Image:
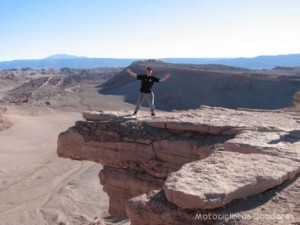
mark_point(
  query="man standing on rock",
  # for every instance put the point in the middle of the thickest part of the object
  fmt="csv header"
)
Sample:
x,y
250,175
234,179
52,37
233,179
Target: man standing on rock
x,y
147,81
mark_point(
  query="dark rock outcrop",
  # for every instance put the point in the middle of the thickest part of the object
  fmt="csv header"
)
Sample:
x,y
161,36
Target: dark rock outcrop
x,y
191,86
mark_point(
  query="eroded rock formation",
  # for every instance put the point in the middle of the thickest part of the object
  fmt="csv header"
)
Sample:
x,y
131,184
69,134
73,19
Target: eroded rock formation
x,y
36,86
168,169
213,85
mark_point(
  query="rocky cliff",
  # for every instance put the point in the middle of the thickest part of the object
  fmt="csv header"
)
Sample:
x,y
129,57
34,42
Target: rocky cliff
x,y
204,166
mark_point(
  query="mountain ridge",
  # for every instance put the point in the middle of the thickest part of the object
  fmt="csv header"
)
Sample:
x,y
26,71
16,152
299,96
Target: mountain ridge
x,y
214,85
63,56
80,62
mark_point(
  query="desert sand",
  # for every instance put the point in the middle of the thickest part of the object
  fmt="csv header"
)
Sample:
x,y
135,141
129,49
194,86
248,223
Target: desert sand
x,y
37,187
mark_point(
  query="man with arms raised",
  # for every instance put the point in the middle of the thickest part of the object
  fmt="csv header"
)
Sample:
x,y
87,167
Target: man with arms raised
x,y
147,81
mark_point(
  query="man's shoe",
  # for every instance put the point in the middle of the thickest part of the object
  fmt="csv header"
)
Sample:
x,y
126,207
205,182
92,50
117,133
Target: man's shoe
x,y
152,114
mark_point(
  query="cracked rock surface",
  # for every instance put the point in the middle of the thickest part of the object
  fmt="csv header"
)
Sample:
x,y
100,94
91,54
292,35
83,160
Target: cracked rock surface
x,y
197,160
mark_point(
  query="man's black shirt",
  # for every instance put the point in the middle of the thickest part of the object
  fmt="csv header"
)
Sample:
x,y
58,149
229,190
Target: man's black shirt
x,y
146,82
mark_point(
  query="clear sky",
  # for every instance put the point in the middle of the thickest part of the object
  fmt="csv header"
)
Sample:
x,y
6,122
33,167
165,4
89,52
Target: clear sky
x,y
33,29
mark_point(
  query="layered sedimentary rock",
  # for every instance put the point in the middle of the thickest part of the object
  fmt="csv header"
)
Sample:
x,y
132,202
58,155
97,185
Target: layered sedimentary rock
x,y
122,185
226,176
282,144
198,160
145,152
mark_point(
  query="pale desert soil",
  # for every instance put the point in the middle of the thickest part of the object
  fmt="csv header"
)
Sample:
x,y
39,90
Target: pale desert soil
x,y
36,186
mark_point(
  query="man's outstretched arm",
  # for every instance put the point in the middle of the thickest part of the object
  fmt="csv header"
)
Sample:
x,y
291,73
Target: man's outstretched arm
x,y
131,73
165,77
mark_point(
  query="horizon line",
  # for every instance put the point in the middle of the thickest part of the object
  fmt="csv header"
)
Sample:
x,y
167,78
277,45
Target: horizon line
x,y
142,58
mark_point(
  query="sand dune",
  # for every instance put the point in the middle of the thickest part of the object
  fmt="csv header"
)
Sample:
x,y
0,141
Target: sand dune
x,y
36,186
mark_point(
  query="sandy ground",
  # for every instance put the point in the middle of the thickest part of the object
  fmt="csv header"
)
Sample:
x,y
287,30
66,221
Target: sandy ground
x,y
36,186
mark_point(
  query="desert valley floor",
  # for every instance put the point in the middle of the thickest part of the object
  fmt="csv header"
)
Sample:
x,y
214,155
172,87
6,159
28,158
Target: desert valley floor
x,y
37,187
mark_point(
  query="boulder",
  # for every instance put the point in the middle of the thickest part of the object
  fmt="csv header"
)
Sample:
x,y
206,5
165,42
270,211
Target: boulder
x,y
225,176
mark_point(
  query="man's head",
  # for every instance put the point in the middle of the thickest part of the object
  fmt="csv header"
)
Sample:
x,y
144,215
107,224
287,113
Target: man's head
x,y
149,71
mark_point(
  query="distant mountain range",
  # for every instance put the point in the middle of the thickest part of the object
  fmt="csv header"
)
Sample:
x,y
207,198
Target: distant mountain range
x,y
62,60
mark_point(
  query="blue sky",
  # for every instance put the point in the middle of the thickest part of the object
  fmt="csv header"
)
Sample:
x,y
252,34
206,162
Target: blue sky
x,y
32,29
